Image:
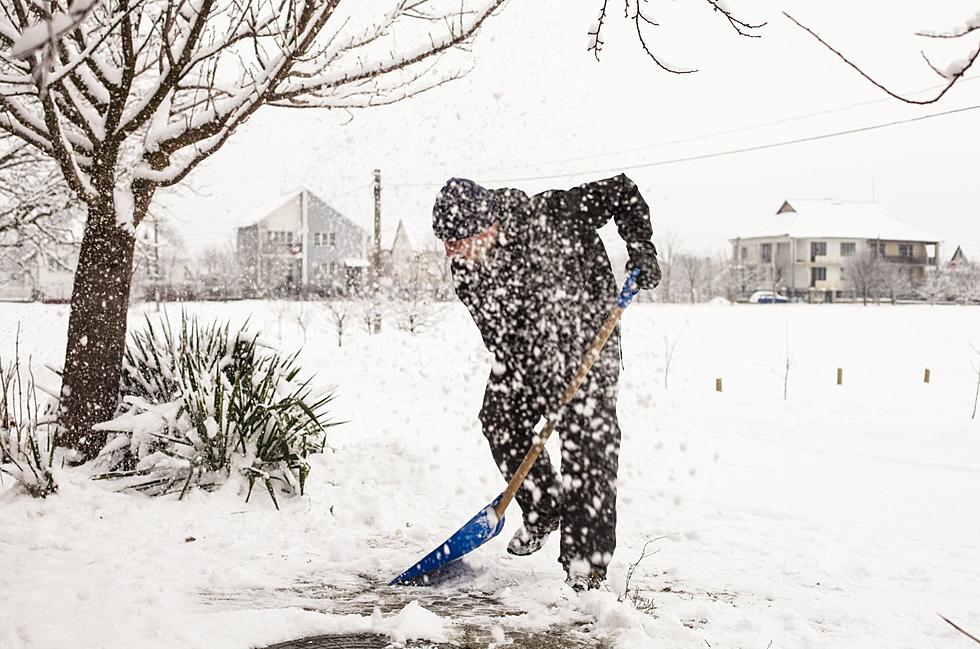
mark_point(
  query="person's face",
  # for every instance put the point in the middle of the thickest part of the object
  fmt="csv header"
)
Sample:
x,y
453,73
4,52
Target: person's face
x,y
475,248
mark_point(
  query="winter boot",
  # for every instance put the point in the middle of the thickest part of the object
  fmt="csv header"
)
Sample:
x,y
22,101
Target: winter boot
x,y
530,538
591,581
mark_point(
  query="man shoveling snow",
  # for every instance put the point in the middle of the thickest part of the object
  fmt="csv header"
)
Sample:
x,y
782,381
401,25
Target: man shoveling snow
x,y
535,276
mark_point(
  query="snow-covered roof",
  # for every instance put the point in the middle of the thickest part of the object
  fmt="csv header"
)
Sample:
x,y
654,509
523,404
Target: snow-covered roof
x,y
353,262
833,219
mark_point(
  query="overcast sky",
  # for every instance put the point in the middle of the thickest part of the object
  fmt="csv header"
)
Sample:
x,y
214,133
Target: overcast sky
x,y
538,104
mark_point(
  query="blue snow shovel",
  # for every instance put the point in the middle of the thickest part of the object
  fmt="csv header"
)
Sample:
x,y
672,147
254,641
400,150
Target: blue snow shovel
x,y
490,520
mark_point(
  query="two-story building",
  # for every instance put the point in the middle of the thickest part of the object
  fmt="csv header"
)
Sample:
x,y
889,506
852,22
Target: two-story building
x,y
304,244
804,248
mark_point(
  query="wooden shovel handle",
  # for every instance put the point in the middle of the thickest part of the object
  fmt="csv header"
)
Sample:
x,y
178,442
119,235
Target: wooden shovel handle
x,y
583,370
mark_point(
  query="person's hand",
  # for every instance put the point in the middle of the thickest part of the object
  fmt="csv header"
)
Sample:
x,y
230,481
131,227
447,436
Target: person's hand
x,y
643,255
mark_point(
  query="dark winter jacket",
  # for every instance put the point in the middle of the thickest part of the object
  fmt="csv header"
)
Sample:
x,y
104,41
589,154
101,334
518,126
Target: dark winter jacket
x,y
547,286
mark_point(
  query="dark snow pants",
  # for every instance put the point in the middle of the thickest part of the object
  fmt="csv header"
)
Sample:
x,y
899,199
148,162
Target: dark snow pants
x,y
583,498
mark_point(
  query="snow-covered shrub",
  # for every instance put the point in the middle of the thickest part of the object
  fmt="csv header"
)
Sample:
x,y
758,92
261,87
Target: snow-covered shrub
x,y
203,402
28,433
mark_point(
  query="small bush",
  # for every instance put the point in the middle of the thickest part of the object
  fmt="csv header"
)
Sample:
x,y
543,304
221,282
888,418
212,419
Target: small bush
x,y
202,402
28,433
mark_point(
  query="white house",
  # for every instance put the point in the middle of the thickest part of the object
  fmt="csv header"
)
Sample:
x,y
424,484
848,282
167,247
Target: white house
x,y
803,248
47,274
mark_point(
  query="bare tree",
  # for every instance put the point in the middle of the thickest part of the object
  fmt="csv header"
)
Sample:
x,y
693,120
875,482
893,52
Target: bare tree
x,y
157,257
693,270
951,74
636,12
964,283
339,312
303,316
668,249
416,308
895,281
219,274
935,286
862,271
130,97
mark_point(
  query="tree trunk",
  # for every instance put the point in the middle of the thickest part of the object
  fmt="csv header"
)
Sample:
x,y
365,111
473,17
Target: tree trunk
x,y
96,329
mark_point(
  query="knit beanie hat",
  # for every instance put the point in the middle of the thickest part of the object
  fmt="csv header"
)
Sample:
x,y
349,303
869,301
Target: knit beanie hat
x,y
462,209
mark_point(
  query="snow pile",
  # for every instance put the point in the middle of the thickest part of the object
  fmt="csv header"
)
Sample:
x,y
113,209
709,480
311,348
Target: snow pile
x,y
412,623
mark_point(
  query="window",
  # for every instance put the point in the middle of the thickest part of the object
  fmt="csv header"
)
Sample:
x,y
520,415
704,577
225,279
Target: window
x,y
818,249
333,239
817,274
333,268
766,252
905,250
847,249
878,249
745,252
278,236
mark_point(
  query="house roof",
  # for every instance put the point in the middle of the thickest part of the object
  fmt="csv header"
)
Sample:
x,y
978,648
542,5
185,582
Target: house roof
x,y
274,205
969,251
833,219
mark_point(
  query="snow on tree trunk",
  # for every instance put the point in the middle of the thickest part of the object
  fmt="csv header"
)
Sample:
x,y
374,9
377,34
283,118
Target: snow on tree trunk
x,y
96,329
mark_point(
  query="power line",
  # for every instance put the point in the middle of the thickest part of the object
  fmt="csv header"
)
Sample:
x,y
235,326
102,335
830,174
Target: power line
x,y
719,154
713,134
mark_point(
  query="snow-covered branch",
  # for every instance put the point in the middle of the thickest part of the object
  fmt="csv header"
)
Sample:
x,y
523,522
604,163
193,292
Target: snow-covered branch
x,y
643,22
951,74
36,208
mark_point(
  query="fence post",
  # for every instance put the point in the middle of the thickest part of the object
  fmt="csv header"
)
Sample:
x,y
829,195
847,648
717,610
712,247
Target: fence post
x,y
717,385
840,376
926,377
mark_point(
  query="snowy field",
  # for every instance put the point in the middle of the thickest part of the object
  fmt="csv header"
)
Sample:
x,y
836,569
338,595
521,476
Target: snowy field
x,y
843,516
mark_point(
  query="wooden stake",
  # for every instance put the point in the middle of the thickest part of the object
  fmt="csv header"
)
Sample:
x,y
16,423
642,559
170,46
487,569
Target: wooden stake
x,y
926,377
840,376
717,385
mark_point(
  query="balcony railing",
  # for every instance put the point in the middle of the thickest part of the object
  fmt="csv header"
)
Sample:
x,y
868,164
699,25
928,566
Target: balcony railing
x,y
911,261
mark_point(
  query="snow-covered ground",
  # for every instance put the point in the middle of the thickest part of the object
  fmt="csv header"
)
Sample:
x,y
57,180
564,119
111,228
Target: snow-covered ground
x,y
844,516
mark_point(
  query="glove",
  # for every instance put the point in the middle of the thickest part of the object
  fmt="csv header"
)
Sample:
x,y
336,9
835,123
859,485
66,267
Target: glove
x,y
643,254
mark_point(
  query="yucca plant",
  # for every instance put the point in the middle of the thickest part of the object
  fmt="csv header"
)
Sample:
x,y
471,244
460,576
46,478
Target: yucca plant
x,y
204,401
28,431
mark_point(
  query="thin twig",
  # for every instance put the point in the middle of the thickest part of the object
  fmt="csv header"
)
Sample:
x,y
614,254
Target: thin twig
x,y
952,77
955,626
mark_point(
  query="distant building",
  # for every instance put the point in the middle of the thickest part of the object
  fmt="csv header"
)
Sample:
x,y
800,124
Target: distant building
x,y
46,274
304,244
413,270
803,249
964,256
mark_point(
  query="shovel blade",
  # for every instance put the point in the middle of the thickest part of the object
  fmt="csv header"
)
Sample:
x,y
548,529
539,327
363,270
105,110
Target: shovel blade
x,y
480,529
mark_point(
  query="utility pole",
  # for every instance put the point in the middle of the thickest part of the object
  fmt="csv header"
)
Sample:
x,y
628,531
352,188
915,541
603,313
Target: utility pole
x,y
376,265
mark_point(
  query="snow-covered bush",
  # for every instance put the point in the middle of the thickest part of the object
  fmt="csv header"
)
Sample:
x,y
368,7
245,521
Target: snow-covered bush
x,y
28,433
203,402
